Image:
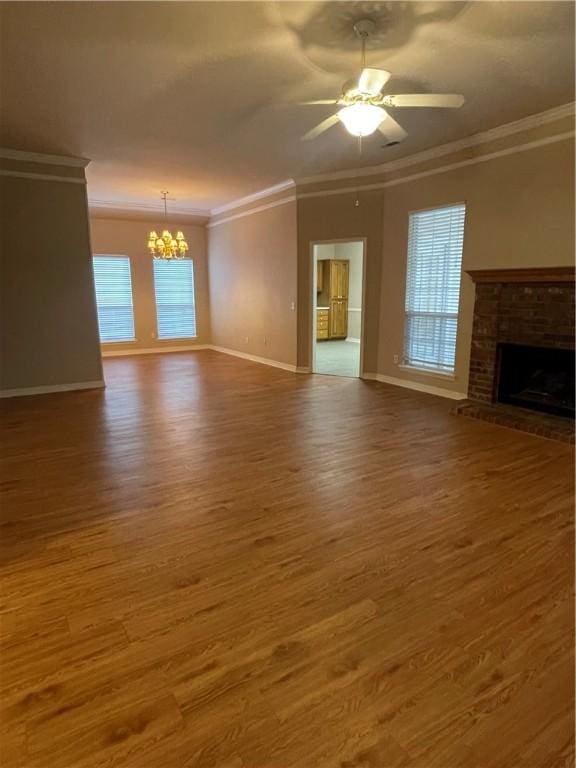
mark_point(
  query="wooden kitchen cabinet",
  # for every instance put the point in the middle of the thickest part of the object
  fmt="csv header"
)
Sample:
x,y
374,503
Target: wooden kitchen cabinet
x,y
338,279
319,276
332,280
338,318
322,324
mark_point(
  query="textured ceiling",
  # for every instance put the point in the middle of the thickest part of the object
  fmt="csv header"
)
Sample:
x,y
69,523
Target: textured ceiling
x,y
201,98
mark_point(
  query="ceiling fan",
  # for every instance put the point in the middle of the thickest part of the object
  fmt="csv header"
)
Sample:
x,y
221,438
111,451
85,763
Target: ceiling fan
x,y
362,103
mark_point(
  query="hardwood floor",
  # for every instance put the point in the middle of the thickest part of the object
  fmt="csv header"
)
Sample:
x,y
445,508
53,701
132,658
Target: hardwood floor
x,y
216,563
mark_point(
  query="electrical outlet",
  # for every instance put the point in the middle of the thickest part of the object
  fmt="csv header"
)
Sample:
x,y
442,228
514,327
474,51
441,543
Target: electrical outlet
x,y
245,339
292,306
396,359
266,341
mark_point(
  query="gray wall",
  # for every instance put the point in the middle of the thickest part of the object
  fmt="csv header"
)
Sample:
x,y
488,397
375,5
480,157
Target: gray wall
x,y
49,330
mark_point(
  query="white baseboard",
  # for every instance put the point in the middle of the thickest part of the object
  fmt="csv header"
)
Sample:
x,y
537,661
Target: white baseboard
x,y
415,385
253,358
353,339
303,369
151,350
25,391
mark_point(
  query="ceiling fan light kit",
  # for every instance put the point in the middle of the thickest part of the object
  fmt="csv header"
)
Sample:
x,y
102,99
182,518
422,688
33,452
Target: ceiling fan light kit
x,y
362,119
363,102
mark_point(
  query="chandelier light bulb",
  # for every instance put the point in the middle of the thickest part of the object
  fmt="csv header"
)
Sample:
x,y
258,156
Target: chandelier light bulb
x,y
362,119
166,246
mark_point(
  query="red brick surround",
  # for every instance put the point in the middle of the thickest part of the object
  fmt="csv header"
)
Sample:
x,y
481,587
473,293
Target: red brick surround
x,y
539,314
532,307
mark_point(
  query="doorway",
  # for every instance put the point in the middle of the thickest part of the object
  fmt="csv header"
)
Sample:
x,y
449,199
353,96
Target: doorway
x,y
337,307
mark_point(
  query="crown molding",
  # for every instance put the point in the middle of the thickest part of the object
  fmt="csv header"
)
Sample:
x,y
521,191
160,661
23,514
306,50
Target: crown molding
x,y
241,201
493,134
144,209
442,168
43,177
252,211
36,157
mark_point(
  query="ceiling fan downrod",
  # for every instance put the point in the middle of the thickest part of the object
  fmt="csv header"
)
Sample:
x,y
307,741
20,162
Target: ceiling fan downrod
x,y
364,28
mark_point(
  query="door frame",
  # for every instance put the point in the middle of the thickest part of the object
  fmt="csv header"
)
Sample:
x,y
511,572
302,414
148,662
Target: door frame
x,y
313,275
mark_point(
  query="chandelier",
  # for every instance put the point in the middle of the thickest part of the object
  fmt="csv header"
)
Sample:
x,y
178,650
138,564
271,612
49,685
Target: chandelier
x,y
166,246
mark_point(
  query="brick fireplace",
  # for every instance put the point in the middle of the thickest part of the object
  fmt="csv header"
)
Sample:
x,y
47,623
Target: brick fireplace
x,y
523,310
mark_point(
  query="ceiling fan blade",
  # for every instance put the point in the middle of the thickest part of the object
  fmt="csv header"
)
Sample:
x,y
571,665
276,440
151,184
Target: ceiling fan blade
x,y
313,103
321,127
453,100
392,130
372,81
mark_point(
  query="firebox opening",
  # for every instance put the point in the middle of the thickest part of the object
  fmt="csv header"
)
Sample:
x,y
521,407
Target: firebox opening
x,y
540,378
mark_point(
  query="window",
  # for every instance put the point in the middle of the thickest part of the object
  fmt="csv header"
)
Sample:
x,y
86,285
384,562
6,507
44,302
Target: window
x,y
435,239
174,288
114,298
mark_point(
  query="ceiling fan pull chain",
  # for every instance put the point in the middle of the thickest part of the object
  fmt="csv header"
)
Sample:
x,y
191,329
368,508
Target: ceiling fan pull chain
x,y
356,200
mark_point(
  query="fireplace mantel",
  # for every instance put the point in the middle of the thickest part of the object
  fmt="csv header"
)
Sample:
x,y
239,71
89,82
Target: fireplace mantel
x,y
523,275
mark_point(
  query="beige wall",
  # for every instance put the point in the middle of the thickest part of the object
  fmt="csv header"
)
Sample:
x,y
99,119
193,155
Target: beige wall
x,y
49,332
520,212
127,237
252,271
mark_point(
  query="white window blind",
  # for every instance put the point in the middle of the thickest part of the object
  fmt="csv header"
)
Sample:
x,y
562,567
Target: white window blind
x,y
114,298
175,309
435,240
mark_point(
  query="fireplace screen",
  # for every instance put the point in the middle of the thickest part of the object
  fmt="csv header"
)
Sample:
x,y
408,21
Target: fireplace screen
x,y
541,378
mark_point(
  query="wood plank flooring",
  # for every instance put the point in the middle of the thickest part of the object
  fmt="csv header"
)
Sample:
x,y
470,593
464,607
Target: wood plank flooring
x,y
218,564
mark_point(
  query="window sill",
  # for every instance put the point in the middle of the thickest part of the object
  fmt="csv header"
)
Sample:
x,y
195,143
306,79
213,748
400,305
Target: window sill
x,y
176,338
429,372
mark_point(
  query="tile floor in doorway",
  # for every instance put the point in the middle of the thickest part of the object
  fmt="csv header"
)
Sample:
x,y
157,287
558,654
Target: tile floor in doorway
x,y
339,358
